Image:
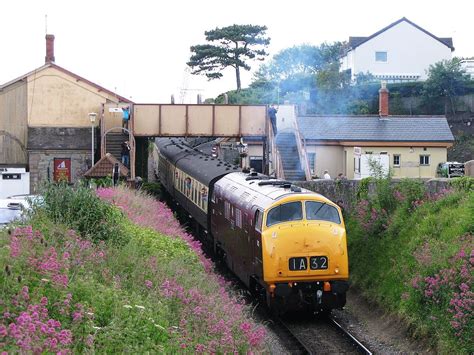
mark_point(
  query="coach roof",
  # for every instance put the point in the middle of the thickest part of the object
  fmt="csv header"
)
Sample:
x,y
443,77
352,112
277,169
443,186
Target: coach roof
x,y
192,161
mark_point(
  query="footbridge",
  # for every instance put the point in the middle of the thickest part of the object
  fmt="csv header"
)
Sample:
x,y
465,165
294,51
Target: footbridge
x,y
198,120
182,120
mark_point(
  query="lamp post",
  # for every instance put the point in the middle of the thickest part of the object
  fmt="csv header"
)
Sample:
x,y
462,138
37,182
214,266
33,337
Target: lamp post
x,y
92,117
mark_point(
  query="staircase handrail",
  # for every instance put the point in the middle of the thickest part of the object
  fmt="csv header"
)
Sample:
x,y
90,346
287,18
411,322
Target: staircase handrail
x,y
302,151
275,158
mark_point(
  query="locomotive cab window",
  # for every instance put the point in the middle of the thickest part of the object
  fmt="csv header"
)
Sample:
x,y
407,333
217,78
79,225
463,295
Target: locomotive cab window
x,y
258,220
321,212
286,212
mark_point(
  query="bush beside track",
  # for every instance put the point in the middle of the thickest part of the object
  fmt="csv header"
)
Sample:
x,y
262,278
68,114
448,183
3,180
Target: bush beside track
x,y
113,272
414,254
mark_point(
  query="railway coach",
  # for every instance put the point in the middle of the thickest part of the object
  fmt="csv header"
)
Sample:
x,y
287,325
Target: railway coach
x,y
285,243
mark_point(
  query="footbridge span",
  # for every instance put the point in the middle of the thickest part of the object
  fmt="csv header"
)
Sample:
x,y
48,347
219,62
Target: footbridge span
x,y
198,120
182,120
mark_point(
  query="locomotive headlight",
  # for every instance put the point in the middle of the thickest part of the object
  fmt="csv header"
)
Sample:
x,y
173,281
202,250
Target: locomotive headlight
x,y
336,270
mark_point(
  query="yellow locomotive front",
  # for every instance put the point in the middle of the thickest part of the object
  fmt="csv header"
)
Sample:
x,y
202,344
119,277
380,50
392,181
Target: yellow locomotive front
x,y
304,252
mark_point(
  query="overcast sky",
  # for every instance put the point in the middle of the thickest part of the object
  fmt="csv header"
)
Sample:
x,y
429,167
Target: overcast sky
x,y
140,48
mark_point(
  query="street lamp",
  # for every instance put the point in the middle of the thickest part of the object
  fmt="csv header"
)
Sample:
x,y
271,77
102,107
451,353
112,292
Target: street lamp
x,y
92,117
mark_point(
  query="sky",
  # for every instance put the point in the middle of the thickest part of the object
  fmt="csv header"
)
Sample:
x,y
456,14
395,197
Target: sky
x,y
139,48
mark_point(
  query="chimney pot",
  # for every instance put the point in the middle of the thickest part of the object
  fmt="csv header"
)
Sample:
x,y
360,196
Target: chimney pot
x,y
49,49
383,100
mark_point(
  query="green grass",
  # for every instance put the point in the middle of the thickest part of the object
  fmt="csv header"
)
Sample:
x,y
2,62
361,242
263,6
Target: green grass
x,y
420,243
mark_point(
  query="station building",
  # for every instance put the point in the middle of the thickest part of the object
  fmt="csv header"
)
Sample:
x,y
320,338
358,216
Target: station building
x,y
44,120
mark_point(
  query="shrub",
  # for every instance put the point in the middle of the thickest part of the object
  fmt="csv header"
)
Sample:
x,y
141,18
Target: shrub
x,y
81,210
63,293
465,183
153,188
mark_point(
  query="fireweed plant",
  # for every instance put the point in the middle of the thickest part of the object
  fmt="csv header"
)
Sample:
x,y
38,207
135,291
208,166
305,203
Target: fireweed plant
x,y
413,252
66,291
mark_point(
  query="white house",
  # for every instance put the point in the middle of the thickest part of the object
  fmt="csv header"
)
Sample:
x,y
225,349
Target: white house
x,y
468,66
402,51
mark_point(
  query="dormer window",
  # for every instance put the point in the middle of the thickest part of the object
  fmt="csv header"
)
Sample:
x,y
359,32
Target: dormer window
x,y
381,57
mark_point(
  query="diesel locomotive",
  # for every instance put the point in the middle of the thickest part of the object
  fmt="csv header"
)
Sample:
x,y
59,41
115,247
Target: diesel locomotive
x,y
285,243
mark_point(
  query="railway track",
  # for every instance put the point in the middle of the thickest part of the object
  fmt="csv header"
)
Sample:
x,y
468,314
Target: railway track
x,y
357,344
315,337
292,341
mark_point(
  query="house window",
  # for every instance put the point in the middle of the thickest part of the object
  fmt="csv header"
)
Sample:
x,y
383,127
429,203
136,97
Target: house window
x,y
424,160
380,56
396,160
357,165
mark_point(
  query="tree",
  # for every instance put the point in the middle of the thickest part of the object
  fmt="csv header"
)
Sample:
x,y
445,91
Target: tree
x,y
446,79
235,45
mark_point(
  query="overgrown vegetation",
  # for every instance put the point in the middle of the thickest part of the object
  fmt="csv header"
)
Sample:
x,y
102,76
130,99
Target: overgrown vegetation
x,y
412,251
86,291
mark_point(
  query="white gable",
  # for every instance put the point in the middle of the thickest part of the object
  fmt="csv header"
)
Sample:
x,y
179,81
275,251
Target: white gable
x,y
409,52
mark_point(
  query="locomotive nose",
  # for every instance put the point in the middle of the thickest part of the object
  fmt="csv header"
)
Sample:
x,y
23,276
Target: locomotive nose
x,y
305,249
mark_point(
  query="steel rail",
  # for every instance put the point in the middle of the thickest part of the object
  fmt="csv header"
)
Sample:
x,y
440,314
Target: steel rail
x,y
302,349
361,347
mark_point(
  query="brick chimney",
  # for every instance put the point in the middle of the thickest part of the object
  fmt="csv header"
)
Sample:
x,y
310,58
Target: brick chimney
x,y
49,49
383,100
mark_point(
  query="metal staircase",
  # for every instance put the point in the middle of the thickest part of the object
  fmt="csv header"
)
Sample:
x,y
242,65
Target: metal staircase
x,y
114,143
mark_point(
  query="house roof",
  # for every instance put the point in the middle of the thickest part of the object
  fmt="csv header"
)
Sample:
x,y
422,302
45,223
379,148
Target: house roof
x,y
105,166
354,42
77,77
374,129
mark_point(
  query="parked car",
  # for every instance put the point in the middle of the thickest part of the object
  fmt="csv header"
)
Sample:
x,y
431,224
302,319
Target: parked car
x,y
450,169
13,208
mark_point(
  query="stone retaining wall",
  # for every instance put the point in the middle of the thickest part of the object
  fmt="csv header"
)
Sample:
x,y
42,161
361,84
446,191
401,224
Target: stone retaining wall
x,y
345,191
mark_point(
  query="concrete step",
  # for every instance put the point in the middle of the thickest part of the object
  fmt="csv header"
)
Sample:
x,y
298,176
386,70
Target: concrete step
x,y
295,175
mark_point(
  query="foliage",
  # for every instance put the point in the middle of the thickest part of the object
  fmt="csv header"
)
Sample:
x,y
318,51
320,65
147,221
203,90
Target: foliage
x,y
153,188
446,79
81,210
233,49
102,182
300,61
62,293
421,261
465,183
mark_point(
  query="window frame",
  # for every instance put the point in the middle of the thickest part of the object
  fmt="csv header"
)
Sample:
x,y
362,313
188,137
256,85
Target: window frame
x,y
399,156
424,157
279,206
323,205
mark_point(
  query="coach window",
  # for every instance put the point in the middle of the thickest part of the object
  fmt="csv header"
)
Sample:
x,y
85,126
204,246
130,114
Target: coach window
x,y
291,211
227,210
321,212
238,218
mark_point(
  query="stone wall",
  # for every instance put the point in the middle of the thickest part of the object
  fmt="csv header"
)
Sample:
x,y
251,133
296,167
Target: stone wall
x,y
344,192
42,169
